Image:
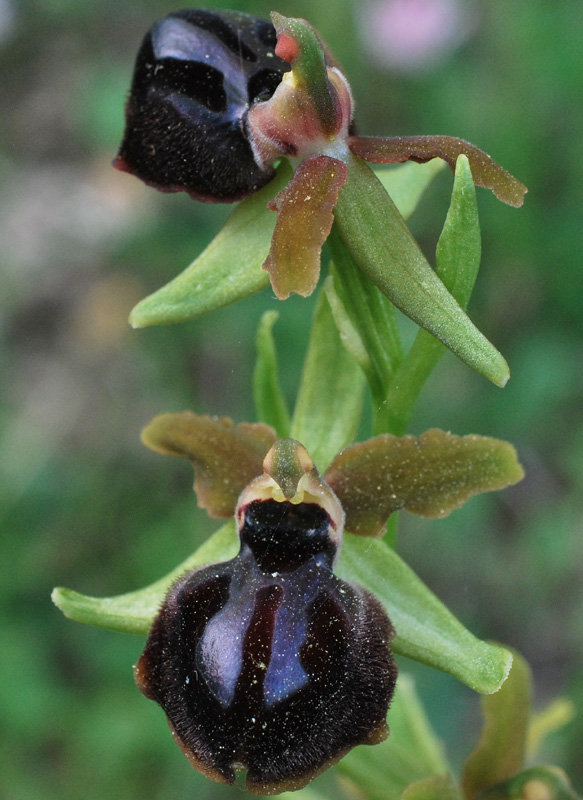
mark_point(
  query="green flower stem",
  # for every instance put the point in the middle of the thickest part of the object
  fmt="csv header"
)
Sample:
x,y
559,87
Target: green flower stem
x,y
329,402
373,317
269,400
381,244
457,264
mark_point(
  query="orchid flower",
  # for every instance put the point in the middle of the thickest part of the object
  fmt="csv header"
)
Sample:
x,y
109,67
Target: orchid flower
x,y
249,119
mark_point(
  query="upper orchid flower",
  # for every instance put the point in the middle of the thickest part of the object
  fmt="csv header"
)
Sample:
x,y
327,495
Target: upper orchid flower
x,y
221,104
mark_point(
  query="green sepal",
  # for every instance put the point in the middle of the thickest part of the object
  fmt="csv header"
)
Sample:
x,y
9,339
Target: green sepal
x,y
329,402
426,630
270,402
501,750
537,783
383,247
134,612
457,264
229,269
411,751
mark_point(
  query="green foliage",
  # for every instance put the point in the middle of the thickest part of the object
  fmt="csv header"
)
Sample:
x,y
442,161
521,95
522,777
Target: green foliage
x,y
82,505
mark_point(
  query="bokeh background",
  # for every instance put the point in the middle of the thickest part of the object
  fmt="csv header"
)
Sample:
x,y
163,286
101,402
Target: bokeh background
x,y
84,505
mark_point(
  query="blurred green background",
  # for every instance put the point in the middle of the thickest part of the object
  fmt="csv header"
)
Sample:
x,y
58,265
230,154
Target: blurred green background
x,y
84,505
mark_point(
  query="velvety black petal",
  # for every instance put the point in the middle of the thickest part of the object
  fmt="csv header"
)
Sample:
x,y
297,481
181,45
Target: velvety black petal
x,y
279,672
197,74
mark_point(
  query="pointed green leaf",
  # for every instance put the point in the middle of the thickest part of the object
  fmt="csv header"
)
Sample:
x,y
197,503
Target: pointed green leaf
x,y
269,400
382,246
426,630
457,264
225,457
411,751
134,612
440,787
430,475
406,183
501,750
304,220
230,268
329,402
537,783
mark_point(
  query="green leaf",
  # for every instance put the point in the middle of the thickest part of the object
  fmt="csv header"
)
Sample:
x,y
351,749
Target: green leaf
x,y
406,183
329,402
537,783
269,399
410,753
426,630
501,750
458,261
439,787
230,268
134,612
383,247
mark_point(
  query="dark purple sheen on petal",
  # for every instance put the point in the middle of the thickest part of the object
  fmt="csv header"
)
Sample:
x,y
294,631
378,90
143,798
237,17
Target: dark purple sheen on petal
x,y
269,662
197,73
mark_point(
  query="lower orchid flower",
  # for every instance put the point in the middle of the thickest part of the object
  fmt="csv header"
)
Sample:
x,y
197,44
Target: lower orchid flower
x,y
269,661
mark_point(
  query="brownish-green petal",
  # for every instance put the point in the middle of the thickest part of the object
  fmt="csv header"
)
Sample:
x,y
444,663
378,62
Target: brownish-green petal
x,y
430,475
501,750
304,220
486,172
225,457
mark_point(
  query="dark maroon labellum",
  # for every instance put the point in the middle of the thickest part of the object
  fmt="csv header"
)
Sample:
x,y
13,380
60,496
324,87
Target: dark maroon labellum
x,y
269,662
197,74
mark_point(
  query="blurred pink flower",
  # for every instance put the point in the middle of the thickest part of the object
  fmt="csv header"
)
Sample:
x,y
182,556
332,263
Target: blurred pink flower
x,y
412,35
